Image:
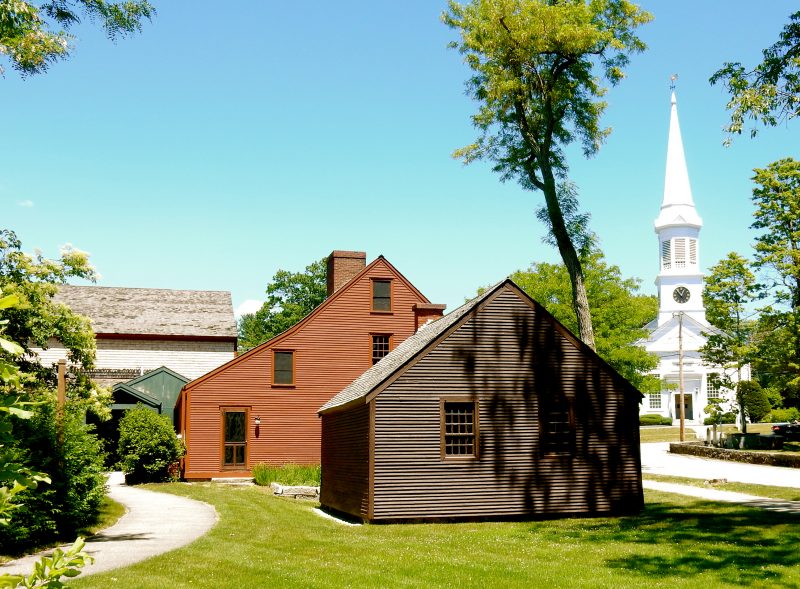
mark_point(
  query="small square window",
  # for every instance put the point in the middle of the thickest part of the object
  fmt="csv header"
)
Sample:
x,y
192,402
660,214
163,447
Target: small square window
x,y
380,347
283,368
381,295
459,429
655,400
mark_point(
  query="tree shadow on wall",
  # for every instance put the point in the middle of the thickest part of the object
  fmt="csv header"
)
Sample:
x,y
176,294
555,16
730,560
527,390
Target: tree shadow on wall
x,y
528,375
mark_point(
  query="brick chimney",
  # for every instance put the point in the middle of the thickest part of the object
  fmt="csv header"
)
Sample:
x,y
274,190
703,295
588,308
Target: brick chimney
x,y
425,312
342,266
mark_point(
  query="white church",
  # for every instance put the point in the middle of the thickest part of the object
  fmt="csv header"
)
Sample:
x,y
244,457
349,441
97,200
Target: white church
x,y
678,329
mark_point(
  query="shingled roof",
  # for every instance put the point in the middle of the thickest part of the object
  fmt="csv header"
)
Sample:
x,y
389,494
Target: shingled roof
x,y
152,311
404,353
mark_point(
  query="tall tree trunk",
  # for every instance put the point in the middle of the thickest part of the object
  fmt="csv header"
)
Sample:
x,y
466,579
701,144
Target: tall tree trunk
x,y
580,302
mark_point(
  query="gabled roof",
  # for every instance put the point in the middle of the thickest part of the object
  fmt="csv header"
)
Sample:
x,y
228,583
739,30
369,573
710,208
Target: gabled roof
x,y
430,335
137,394
308,318
151,373
657,331
152,311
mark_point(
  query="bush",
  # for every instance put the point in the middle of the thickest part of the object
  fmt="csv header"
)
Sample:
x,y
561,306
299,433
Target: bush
x,y
651,419
148,446
72,500
288,474
783,415
756,401
723,417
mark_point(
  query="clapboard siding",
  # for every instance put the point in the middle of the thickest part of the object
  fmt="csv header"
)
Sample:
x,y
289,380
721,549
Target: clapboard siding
x,y
345,462
511,359
506,353
332,347
191,358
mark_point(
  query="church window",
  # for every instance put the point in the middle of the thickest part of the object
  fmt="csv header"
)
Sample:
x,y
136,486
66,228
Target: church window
x,y
655,400
693,252
666,255
712,387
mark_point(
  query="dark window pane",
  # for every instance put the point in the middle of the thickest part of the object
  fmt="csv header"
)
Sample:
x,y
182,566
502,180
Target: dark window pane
x,y
234,426
284,367
381,295
459,429
239,454
380,347
228,454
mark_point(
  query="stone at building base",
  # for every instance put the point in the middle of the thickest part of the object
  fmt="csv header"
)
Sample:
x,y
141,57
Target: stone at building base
x,y
297,492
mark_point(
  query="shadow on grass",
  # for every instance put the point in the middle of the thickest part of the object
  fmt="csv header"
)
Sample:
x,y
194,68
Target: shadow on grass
x,y
741,545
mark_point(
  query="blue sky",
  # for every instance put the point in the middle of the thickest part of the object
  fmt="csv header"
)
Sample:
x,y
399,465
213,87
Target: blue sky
x,y
219,146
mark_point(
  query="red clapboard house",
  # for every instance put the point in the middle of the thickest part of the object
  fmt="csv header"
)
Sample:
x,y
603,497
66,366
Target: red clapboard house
x,y
262,406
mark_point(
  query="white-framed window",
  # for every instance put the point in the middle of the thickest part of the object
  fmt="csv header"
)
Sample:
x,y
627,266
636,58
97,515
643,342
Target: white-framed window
x,y
712,387
654,400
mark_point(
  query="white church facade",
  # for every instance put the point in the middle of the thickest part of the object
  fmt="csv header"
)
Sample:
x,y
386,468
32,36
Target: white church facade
x,y
677,334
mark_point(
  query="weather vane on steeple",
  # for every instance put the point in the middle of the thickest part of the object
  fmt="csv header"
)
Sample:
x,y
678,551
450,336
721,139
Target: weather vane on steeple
x,y
672,79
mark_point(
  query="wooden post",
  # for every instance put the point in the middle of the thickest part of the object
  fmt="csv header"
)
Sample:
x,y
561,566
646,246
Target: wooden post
x,y
680,376
61,398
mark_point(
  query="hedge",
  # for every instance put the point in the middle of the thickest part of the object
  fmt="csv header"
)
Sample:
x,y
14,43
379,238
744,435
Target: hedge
x,y
768,458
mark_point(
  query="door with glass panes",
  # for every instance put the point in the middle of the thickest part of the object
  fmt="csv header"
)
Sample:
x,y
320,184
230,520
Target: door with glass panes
x,y
234,438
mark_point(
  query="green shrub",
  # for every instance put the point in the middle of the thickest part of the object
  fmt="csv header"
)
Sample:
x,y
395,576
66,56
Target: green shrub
x,y
756,401
288,474
71,502
148,446
783,415
652,419
722,417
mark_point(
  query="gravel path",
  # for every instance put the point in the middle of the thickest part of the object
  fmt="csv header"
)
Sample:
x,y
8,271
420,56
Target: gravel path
x,y
154,523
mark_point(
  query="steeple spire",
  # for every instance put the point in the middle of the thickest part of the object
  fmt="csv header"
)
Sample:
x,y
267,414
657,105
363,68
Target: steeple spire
x,y
677,206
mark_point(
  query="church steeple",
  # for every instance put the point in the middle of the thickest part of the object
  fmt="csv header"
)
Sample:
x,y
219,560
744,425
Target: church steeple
x,y
679,282
677,206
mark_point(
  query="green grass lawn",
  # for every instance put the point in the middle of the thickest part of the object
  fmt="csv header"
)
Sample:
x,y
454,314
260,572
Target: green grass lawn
x,y
658,433
265,541
783,493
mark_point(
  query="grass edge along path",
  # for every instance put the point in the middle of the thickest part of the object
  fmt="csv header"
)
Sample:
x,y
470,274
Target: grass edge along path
x,y
781,493
262,540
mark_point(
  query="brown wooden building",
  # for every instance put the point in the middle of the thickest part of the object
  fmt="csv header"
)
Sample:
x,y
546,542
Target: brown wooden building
x,y
262,406
494,411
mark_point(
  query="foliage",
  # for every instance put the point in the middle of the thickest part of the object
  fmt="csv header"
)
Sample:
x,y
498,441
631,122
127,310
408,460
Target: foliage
x,y
619,313
728,291
665,547
290,297
32,34
48,570
537,74
287,474
654,419
72,500
755,401
37,319
770,92
784,415
148,446
777,216
718,412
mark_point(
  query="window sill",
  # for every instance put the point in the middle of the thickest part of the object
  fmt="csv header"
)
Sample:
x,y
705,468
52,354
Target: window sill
x,y
373,312
459,458
283,386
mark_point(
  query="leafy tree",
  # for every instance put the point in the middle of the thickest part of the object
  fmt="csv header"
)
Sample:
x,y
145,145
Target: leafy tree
x,y
36,319
538,70
770,92
32,35
777,254
618,311
290,297
729,289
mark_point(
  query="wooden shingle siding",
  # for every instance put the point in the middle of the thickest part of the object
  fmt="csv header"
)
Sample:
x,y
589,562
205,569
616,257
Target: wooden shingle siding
x,y
513,361
345,462
331,348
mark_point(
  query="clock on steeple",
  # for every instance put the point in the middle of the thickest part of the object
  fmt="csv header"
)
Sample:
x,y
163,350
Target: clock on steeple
x,y
681,295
